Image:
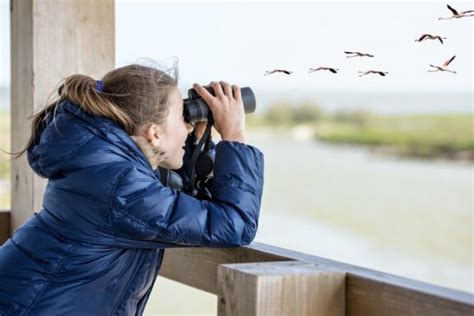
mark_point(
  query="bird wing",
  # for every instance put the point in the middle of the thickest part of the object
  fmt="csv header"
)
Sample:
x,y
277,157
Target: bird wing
x,y
381,73
452,10
349,52
446,63
440,39
468,11
334,71
422,37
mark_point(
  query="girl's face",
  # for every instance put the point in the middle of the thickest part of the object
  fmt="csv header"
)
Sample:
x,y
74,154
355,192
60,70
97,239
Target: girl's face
x,y
171,137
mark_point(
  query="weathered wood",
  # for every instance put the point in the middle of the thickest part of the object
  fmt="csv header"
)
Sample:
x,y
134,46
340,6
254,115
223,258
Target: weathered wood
x,y
4,225
280,288
197,267
368,292
50,40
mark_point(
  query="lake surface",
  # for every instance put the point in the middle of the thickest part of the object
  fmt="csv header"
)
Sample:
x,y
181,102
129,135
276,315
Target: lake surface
x,y
403,216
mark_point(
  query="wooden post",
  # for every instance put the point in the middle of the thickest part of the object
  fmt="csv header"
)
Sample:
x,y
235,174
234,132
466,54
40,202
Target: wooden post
x,y
280,288
51,40
4,225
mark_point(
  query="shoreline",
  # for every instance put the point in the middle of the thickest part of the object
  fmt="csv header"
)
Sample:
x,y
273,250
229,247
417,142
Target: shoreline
x,y
308,132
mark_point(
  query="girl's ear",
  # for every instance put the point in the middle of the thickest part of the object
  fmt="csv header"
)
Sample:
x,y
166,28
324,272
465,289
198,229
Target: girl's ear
x,y
154,134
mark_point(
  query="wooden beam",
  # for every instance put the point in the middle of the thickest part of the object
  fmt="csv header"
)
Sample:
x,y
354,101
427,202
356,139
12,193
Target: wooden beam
x,y
4,225
50,40
368,292
200,264
280,288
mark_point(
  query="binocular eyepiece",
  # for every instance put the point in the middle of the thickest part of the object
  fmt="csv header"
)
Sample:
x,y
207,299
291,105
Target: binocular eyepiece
x,y
196,109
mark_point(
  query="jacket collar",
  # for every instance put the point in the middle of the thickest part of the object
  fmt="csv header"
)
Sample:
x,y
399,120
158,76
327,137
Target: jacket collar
x,y
102,127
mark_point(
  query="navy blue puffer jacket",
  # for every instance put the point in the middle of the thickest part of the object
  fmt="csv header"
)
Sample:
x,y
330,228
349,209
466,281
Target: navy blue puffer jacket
x,y
95,247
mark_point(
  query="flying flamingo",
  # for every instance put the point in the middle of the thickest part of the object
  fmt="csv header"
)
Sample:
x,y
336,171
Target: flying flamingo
x,y
357,54
431,37
287,72
378,72
457,14
443,67
333,70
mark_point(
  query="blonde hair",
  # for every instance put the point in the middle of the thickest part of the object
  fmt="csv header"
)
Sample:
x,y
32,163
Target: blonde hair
x,y
152,154
133,96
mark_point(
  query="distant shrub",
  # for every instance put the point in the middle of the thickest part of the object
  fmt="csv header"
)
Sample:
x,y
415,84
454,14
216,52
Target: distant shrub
x,y
307,113
356,117
278,114
297,113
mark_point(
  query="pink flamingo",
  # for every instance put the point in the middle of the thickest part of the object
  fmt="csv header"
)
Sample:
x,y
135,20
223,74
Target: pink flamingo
x,y
443,67
333,70
457,14
357,54
431,37
287,72
378,72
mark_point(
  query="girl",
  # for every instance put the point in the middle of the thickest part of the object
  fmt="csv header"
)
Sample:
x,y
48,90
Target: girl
x,y
96,246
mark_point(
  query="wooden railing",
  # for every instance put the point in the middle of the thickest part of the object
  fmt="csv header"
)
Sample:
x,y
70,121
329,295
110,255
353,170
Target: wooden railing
x,y
264,280
251,280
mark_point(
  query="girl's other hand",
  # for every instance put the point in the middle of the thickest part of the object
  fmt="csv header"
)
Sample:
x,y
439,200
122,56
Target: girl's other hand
x,y
199,129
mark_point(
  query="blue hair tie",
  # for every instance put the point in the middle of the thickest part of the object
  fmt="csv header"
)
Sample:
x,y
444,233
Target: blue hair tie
x,y
100,85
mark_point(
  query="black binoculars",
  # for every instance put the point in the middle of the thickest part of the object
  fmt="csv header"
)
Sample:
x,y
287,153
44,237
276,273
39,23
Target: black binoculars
x,y
196,109
200,170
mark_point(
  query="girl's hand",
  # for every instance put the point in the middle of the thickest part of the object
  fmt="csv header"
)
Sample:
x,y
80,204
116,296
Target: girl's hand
x,y
227,110
199,129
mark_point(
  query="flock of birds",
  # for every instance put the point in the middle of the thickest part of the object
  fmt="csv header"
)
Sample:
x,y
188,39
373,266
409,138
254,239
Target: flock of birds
x,y
455,14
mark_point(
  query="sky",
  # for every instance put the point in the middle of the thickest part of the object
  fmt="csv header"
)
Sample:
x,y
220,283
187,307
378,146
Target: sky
x,y
239,41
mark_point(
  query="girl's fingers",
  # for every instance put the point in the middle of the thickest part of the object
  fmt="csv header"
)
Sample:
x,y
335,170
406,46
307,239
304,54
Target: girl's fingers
x,y
199,129
217,89
237,93
227,89
203,93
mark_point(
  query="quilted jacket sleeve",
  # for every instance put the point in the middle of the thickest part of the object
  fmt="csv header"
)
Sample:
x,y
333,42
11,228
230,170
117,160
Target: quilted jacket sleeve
x,y
144,209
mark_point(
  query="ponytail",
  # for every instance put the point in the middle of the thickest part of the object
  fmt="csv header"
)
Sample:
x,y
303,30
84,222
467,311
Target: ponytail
x,y
130,96
82,90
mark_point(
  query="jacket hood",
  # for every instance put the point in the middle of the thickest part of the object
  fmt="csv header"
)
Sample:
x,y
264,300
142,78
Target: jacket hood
x,y
59,141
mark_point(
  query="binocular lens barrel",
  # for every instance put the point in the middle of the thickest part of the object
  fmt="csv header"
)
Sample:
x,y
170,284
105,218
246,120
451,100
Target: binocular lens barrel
x,y
196,109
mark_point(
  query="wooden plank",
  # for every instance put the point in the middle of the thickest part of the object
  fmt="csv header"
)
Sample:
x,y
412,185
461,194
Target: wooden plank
x,y
197,267
4,225
280,288
50,40
368,292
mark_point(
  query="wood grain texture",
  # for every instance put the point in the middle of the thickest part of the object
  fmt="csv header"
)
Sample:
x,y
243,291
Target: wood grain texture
x,y
280,288
368,292
50,40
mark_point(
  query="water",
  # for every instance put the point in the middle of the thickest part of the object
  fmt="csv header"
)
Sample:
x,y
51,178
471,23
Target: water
x,y
406,217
